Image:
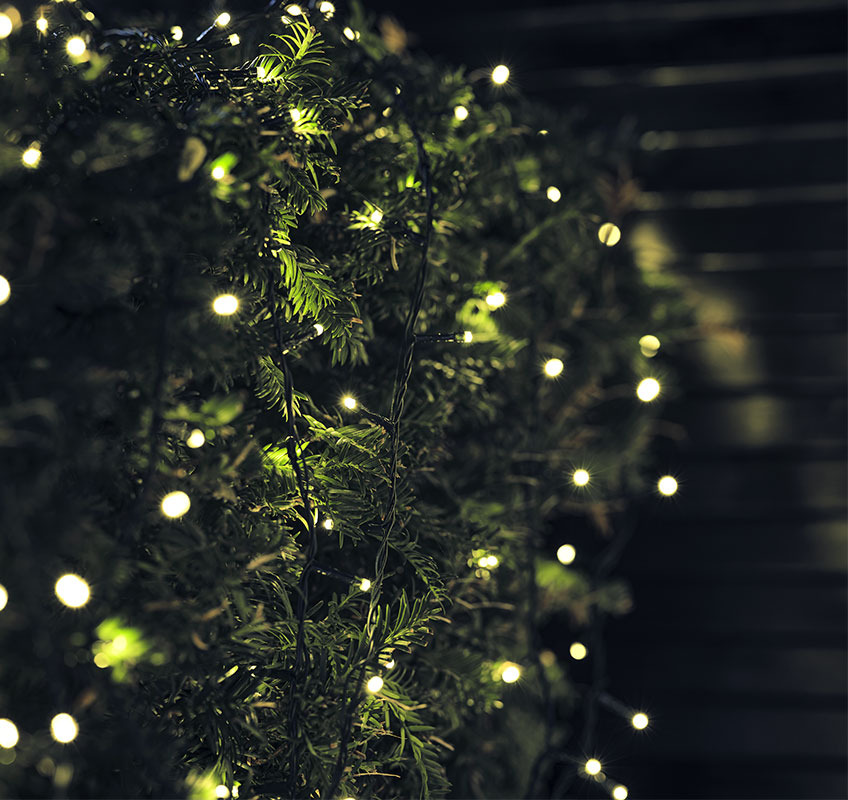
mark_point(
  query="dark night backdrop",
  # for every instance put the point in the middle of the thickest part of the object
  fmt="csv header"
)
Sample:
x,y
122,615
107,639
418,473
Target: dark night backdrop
x,y
737,644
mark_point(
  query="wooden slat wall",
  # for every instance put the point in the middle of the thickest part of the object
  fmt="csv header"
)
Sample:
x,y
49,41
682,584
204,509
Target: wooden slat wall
x,y
738,640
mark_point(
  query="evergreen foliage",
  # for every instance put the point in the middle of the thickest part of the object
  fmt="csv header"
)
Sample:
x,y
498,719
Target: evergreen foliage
x,y
321,180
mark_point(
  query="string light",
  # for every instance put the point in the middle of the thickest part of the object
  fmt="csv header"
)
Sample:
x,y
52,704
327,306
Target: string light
x,y
327,524
553,367
374,684
495,299
609,234
295,114
391,664
365,584
234,39
327,8
72,590
566,554
5,290
592,766
667,485
6,25
41,24
500,74
294,9
554,194
376,216
225,304
31,156
218,173
511,673
64,728
467,337
350,34
4,597
175,504
649,345
578,651
222,792
619,792
639,721
648,389
76,46
196,439
319,329
8,734
580,477
222,20
461,113
349,402
177,33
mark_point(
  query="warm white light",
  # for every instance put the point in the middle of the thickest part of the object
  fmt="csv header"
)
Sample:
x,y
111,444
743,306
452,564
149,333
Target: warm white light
x,y
566,554
4,597
349,402
554,194
365,584
196,439
223,19
64,728
294,9
349,33
374,684
222,792
667,485
511,673
648,389
175,504
76,46
495,299
261,72
580,477
327,8
609,234
31,156
327,524
319,329
492,561
391,664
376,216
592,766
218,173
6,25
553,367
639,721
225,304
619,792
41,25
295,114
578,651
649,345
8,733
5,290
233,39
177,33
72,590
500,74
467,337
461,113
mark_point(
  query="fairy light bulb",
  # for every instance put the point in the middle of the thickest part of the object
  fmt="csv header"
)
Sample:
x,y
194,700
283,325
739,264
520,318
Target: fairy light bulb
x,y
8,734
41,24
667,485
175,504
639,721
553,367
376,216
218,173
5,290
511,673
580,477
222,792
365,584
500,74
327,524
234,39
566,554
578,651
468,337
222,20
349,402
349,34
461,113
319,329
177,33
196,439
495,299
609,234
619,792
374,684
649,345
327,8
592,766
225,304
554,194
31,157
391,664
72,590
6,25
492,562
294,9
76,46
295,114
648,389
4,597
64,728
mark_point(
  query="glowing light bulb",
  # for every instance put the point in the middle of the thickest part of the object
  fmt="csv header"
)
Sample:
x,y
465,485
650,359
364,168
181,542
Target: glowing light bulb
x,y
76,46
374,684
376,216
619,792
365,584
295,114
177,33
222,792
350,34
327,8
554,194
72,590
566,554
223,19
511,673
5,290
580,477
196,439
218,173
4,597
233,39
327,524
609,234
467,337
391,664
461,113
553,367
31,157
225,304
6,25
41,25
667,485
64,728
648,389
500,74
639,721
578,651
349,402
495,299
592,766
261,72
294,9
8,734
649,345
175,504
492,561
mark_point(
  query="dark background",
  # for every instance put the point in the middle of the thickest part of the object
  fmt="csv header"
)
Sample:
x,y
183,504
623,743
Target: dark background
x,y
737,644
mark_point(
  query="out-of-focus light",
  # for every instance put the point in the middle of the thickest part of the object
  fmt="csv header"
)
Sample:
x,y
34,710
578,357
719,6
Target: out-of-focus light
x,y
391,664
4,597
319,329
578,651
31,157
41,24
5,290
511,673
6,25
649,345
222,792
495,299
295,114
374,684
365,584
349,402
609,234
294,9
554,194
619,792
500,74
64,728
461,113
196,439
639,721
233,39
225,304
376,216
8,734
177,33
76,46
218,173
580,477
327,524
327,8
667,485
648,389
350,34
468,337
175,504
566,554
223,19
592,766
553,367
72,590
